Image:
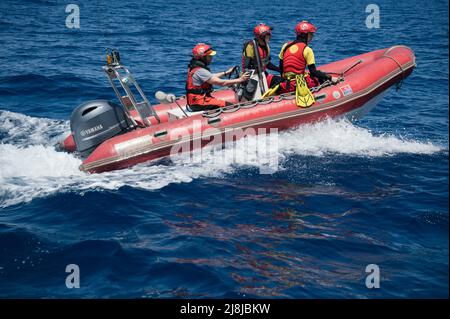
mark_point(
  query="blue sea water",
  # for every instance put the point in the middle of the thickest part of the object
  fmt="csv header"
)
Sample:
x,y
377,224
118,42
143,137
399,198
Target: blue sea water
x,y
347,194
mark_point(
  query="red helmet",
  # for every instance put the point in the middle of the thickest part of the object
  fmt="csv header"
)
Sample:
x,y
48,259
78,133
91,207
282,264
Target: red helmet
x,y
305,27
201,50
262,30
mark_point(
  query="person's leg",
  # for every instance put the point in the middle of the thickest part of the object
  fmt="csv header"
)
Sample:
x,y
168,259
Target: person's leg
x,y
287,86
208,103
198,107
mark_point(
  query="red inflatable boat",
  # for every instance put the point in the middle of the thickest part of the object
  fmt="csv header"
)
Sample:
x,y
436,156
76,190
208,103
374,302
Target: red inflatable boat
x,y
110,136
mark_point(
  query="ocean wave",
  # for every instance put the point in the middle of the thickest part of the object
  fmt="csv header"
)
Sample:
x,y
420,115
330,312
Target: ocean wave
x,y
22,130
32,168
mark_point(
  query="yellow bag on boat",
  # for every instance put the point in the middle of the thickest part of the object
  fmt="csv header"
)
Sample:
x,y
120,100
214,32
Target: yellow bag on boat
x,y
303,96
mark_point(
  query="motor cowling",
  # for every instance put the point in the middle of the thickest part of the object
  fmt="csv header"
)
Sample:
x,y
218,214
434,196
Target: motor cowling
x,y
96,121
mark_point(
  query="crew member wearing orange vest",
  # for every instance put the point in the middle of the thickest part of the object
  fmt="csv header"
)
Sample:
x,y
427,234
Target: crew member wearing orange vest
x,y
296,55
200,80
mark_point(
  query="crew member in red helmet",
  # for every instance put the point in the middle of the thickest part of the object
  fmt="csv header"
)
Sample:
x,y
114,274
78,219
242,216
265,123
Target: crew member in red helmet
x,y
200,80
297,55
262,33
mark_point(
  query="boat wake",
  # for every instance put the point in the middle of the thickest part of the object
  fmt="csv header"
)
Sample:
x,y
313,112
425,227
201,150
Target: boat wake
x,y
30,167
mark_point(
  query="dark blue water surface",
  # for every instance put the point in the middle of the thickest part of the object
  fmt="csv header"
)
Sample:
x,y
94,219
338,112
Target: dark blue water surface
x,y
346,195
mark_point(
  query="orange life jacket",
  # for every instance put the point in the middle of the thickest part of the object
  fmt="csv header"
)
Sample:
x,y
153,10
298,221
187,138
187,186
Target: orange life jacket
x,y
194,92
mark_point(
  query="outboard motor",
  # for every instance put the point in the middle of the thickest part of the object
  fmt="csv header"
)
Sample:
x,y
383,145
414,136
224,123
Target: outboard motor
x,y
96,121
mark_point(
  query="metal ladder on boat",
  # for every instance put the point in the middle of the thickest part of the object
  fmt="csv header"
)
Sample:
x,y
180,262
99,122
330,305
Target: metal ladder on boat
x,y
119,73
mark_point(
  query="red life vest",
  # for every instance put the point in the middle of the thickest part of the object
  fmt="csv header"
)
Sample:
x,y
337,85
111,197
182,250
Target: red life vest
x,y
294,61
263,53
193,91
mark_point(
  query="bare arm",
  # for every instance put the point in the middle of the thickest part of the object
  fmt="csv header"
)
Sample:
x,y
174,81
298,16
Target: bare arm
x,y
215,80
219,74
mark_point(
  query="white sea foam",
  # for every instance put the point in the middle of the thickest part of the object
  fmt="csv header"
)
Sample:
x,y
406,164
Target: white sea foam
x,y
30,167
16,128
343,137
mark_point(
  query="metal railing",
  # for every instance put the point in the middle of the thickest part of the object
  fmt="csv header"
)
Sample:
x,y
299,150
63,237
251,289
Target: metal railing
x,y
143,107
